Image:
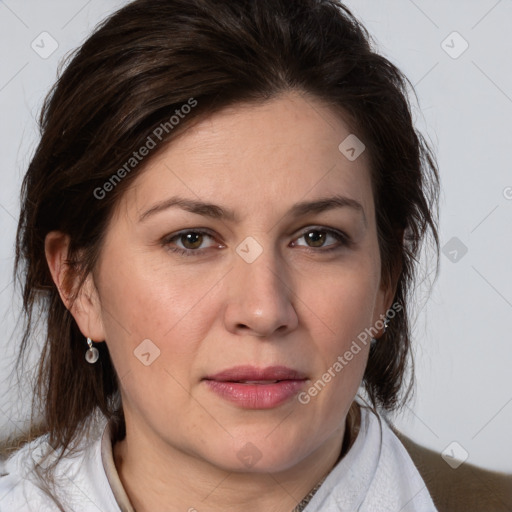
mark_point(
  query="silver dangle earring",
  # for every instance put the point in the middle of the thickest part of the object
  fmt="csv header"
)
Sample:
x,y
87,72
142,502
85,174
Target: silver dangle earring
x,y
373,341
92,355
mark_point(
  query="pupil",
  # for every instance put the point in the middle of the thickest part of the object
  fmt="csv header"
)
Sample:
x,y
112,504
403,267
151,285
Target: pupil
x,y
192,240
316,238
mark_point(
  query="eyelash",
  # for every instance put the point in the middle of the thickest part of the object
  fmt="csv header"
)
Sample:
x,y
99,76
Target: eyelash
x,y
341,237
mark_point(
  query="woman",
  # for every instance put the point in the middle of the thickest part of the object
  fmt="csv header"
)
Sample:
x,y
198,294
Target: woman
x,y
222,221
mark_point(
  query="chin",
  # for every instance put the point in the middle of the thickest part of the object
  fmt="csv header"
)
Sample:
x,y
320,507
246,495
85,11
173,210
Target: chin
x,y
248,454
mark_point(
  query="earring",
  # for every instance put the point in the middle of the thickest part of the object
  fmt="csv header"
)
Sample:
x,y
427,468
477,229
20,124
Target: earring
x,y
92,355
373,341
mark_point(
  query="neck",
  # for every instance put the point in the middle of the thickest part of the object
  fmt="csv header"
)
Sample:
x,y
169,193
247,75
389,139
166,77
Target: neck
x,y
166,478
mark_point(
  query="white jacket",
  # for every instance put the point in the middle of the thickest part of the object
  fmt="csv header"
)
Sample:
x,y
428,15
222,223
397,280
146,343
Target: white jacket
x,y
376,475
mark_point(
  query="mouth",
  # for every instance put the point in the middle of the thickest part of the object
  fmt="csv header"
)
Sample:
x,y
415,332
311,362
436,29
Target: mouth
x,y
253,375
255,381
252,388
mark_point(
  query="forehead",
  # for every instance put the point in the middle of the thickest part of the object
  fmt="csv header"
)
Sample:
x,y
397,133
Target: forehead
x,y
281,151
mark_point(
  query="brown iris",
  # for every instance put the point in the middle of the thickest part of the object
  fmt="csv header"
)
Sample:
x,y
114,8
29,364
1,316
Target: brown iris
x,y
191,240
315,238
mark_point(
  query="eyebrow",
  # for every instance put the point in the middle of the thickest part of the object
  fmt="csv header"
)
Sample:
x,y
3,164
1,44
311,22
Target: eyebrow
x,y
215,211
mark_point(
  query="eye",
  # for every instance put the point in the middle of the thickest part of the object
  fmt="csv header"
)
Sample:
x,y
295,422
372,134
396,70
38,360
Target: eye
x,y
190,242
319,238
192,239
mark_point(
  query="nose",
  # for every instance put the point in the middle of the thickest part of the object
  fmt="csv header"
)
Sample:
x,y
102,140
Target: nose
x,y
260,298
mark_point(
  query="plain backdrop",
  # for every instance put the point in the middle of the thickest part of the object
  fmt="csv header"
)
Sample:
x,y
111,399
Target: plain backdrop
x,y
457,55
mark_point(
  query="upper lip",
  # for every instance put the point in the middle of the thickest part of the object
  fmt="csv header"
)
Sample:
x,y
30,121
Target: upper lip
x,y
251,373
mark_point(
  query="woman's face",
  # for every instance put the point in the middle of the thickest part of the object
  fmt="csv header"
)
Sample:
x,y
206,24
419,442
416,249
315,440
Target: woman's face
x,y
249,242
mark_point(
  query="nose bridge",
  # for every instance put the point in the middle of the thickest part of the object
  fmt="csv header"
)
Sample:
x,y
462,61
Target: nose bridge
x,y
260,295
263,276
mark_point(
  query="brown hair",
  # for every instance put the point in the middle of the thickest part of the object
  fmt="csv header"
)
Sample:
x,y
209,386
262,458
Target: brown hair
x,y
138,68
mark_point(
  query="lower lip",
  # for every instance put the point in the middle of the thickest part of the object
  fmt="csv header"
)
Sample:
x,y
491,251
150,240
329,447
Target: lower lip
x,y
256,396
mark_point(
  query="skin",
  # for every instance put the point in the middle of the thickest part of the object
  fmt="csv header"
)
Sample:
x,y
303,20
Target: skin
x,y
295,305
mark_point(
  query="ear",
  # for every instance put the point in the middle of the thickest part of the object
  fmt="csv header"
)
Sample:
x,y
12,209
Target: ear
x,y
85,307
388,286
382,304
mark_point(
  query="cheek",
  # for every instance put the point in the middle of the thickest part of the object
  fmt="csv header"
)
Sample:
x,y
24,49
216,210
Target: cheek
x,y
151,298
338,308
169,305
155,322
339,357
343,298
338,336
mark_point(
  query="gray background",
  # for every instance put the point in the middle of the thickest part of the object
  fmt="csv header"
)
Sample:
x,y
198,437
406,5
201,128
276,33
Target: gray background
x,y
463,349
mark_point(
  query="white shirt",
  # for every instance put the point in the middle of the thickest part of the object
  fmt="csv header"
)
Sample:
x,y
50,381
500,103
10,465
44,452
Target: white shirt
x,y
375,475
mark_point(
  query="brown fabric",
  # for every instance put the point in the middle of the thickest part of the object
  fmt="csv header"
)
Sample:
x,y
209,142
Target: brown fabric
x,y
466,489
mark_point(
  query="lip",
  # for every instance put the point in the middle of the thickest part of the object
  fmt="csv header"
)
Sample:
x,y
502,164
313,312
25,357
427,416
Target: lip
x,y
249,372
255,388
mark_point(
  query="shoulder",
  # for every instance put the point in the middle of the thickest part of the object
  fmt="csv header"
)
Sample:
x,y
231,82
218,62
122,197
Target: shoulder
x,y
19,488
375,474
397,482
468,487
80,483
